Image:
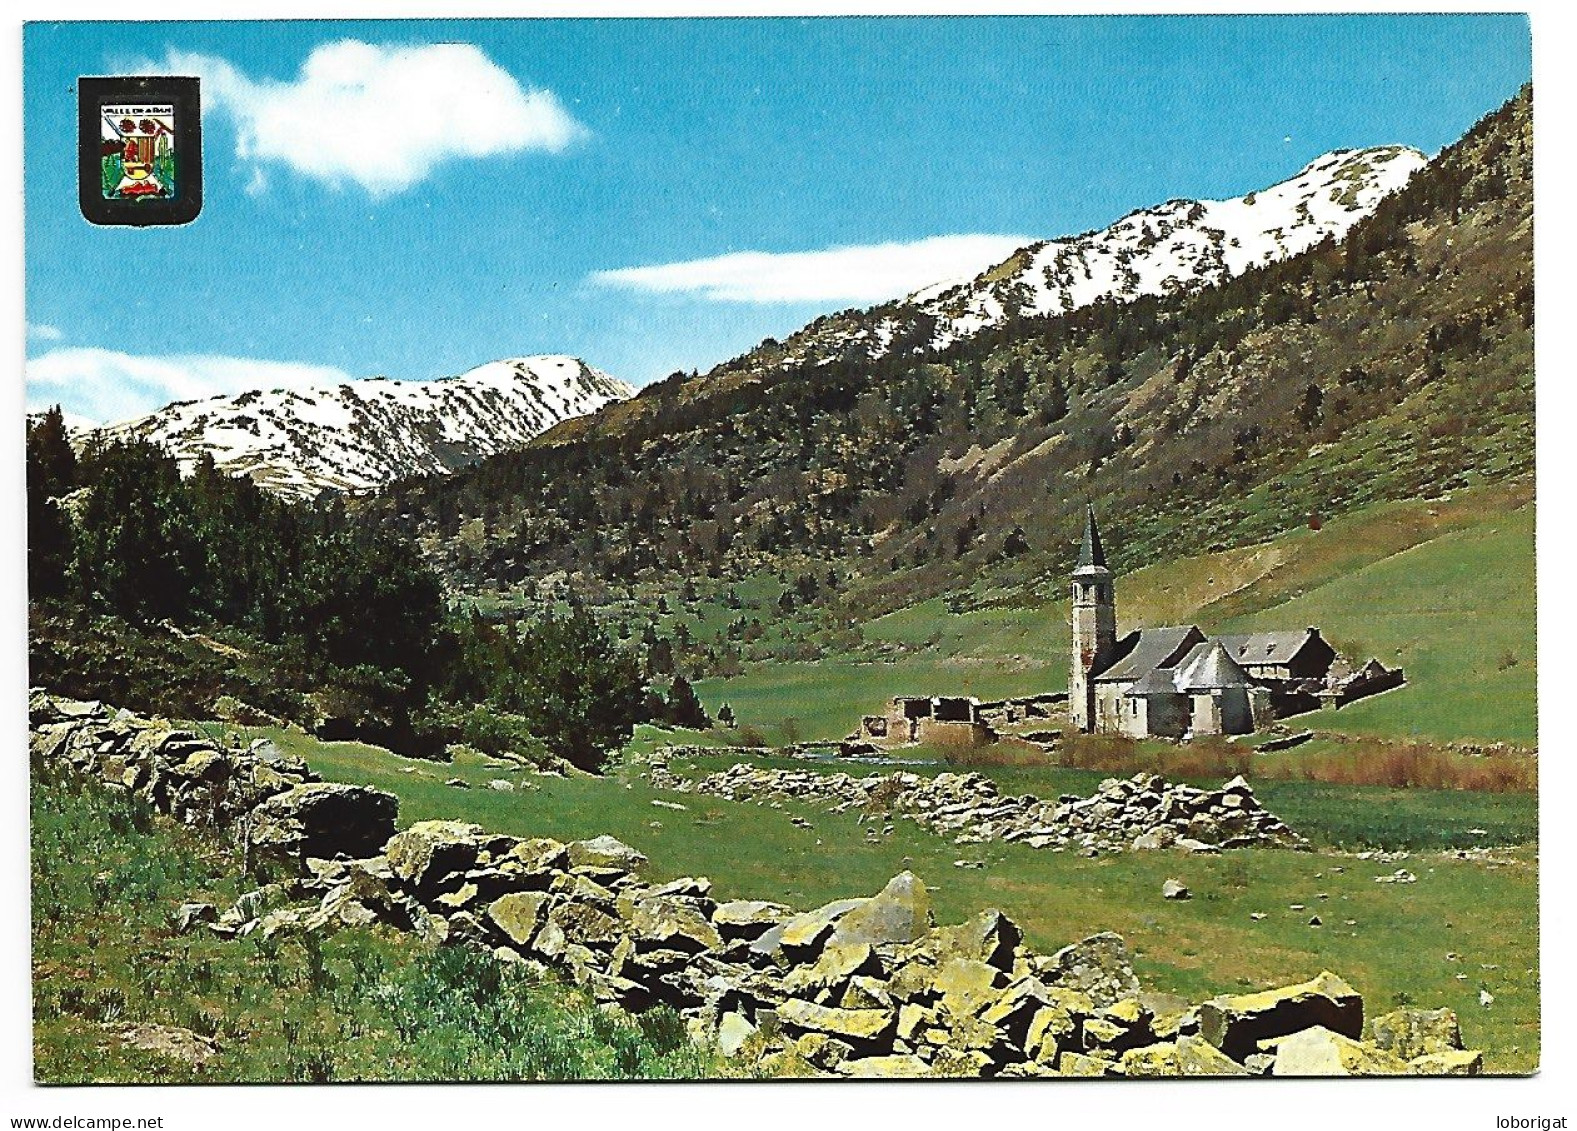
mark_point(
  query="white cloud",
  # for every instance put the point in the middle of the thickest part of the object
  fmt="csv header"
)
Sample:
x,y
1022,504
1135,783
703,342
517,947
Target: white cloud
x,y
107,386
380,117
43,332
861,274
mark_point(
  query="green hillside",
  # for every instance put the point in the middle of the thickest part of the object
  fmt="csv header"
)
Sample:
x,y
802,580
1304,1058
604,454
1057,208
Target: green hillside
x,y
1444,588
1458,614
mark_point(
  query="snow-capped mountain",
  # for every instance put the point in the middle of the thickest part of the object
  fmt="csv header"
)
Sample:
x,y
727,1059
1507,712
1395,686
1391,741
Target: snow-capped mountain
x,y
364,434
1179,245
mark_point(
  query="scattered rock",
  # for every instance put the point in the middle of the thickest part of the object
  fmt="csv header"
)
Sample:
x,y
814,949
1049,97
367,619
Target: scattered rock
x,y
1174,889
324,819
1450,1062
1186,1056
1098,966
863,1025
181,1045
899,913
1237,1024
605,853
866,987
748,918
1140,812
1318,1051
188,916
1412,1033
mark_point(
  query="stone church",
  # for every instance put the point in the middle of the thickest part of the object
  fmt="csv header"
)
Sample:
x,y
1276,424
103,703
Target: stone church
x,y
1178,682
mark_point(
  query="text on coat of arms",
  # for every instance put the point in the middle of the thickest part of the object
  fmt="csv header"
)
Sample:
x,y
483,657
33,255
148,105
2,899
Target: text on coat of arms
x,y
138,153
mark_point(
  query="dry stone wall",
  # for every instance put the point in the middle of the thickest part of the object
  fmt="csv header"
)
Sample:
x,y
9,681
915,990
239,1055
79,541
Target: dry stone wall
x,y
863,987
1143,812
269,801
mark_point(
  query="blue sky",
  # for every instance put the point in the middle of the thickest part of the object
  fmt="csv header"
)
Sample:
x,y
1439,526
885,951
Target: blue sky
x,y
492,197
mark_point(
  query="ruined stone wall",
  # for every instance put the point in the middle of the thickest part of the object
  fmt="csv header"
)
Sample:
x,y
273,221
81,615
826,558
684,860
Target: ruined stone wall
x,y
1139,812
268,801
945,732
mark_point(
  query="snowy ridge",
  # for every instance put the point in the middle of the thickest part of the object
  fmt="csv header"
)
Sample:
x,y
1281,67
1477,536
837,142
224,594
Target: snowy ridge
x,y
1179,245
363,434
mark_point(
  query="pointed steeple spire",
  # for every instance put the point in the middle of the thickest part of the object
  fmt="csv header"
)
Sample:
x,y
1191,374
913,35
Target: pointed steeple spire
x,y
1090,552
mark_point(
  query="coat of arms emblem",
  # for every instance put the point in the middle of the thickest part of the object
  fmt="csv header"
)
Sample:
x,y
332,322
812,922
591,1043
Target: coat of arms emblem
x,y
138,157
140,149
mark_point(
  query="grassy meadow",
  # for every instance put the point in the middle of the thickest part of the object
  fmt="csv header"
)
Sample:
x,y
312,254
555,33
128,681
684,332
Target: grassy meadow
x,y
1394,951
358,1005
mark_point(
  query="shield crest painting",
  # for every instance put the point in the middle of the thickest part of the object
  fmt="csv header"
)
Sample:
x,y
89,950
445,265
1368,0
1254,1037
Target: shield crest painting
x,y
139,150
138,155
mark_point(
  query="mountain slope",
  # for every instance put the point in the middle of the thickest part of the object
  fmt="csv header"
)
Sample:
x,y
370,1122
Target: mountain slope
x,y
364,434
1394,363
1171,249
1177,246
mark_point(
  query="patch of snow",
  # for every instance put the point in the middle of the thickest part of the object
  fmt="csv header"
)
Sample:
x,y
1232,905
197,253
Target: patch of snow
x,y
361,435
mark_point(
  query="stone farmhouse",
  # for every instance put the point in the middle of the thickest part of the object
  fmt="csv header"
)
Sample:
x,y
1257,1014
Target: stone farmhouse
x,y
1178,682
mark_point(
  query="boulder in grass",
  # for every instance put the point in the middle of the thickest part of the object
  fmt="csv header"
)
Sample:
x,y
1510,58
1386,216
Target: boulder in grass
x,y
324,819
1318,1051
899,913
181,1045
1236,1024
1411,1033
1099,966
605,854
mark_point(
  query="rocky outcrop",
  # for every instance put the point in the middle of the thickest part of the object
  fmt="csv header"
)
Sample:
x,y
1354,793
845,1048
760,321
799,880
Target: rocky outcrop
x,y
860,987
1143,812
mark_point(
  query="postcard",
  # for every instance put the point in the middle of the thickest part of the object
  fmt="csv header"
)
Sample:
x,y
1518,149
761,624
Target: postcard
x,y
899,549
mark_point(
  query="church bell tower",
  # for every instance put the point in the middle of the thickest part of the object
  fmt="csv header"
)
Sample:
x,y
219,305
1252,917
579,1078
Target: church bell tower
x,y
1094,624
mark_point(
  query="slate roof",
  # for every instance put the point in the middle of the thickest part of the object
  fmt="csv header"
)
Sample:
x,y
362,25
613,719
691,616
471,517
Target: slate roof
x,y
1151,648
1091,553
1207,667
1157,681
1266,647
1204,667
